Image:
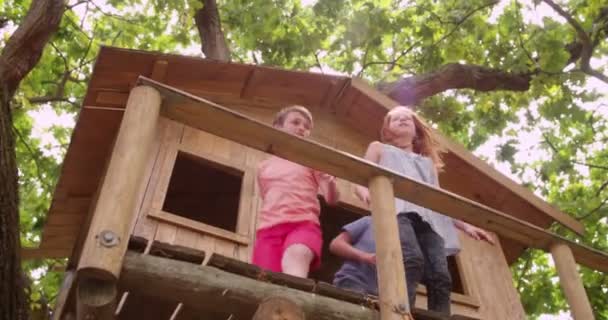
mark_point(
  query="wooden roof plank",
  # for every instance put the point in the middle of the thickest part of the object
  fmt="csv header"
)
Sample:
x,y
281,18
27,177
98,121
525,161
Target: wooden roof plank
x,y
208,116
45,253
290,87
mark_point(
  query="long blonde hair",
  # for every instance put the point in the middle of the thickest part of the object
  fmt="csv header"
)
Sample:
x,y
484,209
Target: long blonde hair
x,y
424,143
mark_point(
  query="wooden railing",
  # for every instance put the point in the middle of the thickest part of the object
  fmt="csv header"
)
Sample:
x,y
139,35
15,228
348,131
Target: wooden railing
x,y
384,184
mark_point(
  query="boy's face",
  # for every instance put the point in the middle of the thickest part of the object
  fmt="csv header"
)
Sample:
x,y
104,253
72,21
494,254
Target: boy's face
x,y
296,123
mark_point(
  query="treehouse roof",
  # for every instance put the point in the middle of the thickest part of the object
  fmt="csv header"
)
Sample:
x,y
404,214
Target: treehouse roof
x,y
231,84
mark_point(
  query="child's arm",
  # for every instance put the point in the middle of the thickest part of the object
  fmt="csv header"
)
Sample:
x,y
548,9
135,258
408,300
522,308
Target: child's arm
x,y
373,153
329,189
341,246
473,231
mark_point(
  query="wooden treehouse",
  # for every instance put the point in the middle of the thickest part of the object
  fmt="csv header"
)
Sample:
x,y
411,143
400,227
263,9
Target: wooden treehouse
x,y
156,204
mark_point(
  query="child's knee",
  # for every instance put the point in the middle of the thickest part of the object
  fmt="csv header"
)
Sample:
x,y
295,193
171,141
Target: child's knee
x,y
441,277
412,255
298,250
413,259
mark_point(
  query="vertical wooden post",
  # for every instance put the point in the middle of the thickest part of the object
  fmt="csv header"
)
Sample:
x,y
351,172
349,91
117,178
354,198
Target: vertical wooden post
x,y
389,259
106,243
571,282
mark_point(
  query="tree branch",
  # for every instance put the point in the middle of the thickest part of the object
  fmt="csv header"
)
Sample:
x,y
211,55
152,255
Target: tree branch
x,y
24,48
412,90
590,213
59,95
587,45
318,62
590,165
463,19
34,156
602,187
111,15
523,272
556,152
209,27
77,3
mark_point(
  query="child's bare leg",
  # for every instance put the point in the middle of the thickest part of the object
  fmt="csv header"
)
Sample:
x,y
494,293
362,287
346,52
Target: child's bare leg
x,y
296,260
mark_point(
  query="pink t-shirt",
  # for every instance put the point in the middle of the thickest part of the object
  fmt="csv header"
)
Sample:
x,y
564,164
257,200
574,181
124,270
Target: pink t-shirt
x,y
288,191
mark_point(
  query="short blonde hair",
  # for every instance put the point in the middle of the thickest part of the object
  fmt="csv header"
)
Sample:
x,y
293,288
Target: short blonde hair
x,y
424,142
279,118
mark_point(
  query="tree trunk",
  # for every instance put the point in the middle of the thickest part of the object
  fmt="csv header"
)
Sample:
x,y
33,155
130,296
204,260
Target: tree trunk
x,y
13,304
21,53
210,31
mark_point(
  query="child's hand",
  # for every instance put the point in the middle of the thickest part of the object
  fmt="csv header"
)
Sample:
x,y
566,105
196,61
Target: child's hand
x,y
329,188
330,179
368,258
363,194
478,233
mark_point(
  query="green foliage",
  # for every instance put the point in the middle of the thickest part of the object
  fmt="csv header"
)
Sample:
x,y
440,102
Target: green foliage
x,y
379,41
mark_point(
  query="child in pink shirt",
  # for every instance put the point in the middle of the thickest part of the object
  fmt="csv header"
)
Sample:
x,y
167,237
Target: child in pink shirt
x,y
288,237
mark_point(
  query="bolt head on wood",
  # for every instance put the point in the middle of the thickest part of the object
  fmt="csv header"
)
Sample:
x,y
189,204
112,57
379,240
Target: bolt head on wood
x,y
108,238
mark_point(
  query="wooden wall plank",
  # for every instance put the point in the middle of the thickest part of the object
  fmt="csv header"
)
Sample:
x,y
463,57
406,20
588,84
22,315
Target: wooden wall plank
x,y
484,264
166,233
171,133
186,238
141,226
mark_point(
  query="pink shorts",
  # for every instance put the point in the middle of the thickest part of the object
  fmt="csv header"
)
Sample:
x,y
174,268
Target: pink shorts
x,y
270,243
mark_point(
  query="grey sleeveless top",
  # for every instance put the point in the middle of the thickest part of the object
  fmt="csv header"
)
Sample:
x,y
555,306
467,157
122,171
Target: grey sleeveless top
x,y
420,168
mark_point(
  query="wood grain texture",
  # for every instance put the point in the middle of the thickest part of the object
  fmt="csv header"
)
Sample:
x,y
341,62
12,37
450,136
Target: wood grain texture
x,y
389,259
116,206
571,283
206,287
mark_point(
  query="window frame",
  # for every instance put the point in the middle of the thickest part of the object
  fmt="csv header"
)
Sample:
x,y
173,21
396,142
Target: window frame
x,y
241,235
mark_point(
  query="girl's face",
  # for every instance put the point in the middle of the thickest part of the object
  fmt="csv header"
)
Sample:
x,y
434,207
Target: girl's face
x,y
297,124
401,124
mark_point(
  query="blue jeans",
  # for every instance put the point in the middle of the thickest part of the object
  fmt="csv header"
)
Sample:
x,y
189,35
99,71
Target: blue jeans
x,y
425,261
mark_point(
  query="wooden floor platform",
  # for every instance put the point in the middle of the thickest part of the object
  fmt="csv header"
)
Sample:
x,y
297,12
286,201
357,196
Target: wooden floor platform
x,y
145,306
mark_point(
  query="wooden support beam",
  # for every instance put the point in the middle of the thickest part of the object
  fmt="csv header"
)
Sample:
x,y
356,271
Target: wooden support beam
x,y
96,299
389,259
208,288
571,282
213,118
64,293
278,307
104,248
